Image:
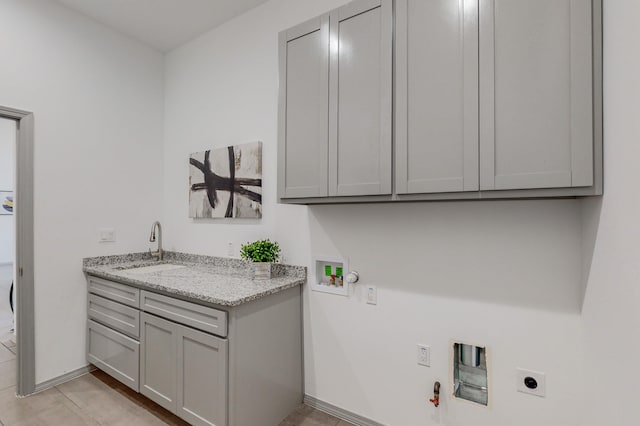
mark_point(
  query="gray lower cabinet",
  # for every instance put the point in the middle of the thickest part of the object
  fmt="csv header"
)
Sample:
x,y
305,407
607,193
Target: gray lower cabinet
x,y
202,377
117,316
204,318
184,370
158,361
117,292
335,108
203,363
114,353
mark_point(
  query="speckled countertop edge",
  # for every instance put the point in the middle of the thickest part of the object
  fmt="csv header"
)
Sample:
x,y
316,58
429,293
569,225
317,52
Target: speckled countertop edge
x,y
215,280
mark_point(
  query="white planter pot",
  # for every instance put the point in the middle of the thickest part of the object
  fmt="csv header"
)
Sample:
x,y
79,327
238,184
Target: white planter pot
x,y
262,270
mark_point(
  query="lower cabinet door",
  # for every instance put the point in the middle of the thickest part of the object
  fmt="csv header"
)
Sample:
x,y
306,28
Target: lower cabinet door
x,y
158,360
202,378
114,353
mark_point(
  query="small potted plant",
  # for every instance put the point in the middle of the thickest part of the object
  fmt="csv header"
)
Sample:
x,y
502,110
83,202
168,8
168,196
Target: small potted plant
x,y
263,253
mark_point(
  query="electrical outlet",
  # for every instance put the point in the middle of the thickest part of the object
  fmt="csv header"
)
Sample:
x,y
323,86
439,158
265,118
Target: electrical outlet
x,y
230,250
106,235
424,355
531,382
372,295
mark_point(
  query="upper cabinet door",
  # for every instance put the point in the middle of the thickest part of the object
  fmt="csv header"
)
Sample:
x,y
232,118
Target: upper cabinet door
x,y
436,96
536,106
303,110
360,98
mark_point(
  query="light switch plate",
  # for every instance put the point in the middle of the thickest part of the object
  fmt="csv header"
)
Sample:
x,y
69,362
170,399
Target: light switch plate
x,y
531,382
106,235
372,295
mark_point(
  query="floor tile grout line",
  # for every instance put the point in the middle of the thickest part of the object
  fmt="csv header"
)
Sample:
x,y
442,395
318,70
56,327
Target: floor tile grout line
x,y
15,367
67,398
5,346
76,405
9,349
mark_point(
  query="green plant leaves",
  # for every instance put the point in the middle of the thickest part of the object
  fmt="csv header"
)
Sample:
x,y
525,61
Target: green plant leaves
x,y
260,251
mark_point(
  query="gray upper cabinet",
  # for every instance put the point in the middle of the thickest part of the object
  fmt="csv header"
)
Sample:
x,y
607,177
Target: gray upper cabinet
x,y
536,98
303,110
360,98
436,96
335,111
492,99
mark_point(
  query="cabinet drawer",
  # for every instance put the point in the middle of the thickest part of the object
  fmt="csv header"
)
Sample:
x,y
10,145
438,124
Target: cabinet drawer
x,y
193,315
114,315
125,294
114,353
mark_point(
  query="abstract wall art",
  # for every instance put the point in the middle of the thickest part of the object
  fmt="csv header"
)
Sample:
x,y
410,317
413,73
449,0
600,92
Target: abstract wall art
x,y
226,182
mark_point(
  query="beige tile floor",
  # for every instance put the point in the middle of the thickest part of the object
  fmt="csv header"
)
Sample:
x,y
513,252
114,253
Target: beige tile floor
x,y
97,399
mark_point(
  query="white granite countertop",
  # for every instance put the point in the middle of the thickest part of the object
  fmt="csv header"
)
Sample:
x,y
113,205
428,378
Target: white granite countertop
x,y
215,280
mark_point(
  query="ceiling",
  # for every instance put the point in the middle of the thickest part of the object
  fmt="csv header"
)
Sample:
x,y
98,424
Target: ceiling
x,y
162,24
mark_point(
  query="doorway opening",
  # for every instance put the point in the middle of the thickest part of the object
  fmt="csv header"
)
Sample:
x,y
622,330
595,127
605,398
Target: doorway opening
x,y
8,135
17,362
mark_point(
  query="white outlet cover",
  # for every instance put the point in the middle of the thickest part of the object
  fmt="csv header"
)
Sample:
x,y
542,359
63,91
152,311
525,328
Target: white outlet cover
x,y
540,378
424,355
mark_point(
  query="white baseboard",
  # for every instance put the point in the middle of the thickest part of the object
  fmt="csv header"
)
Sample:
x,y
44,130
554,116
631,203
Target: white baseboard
x,y
338,412
64,378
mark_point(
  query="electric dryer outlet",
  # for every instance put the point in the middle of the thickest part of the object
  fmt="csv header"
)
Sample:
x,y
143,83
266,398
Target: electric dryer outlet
x,y
531,382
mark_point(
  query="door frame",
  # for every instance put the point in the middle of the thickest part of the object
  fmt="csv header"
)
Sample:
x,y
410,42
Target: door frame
x,y
24,266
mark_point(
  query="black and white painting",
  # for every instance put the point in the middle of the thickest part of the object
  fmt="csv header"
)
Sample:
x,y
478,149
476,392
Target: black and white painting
x,y
226,182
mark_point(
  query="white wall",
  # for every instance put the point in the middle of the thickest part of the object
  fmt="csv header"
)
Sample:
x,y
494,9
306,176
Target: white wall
x,y
97,99
502,274
221,89
611,310
7,170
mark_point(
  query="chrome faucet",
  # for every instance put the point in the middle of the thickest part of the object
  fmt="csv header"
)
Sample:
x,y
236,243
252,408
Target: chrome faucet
x,y
152,238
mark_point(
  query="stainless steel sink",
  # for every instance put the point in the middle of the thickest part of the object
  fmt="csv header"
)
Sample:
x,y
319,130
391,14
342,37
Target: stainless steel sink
x,y
153,268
